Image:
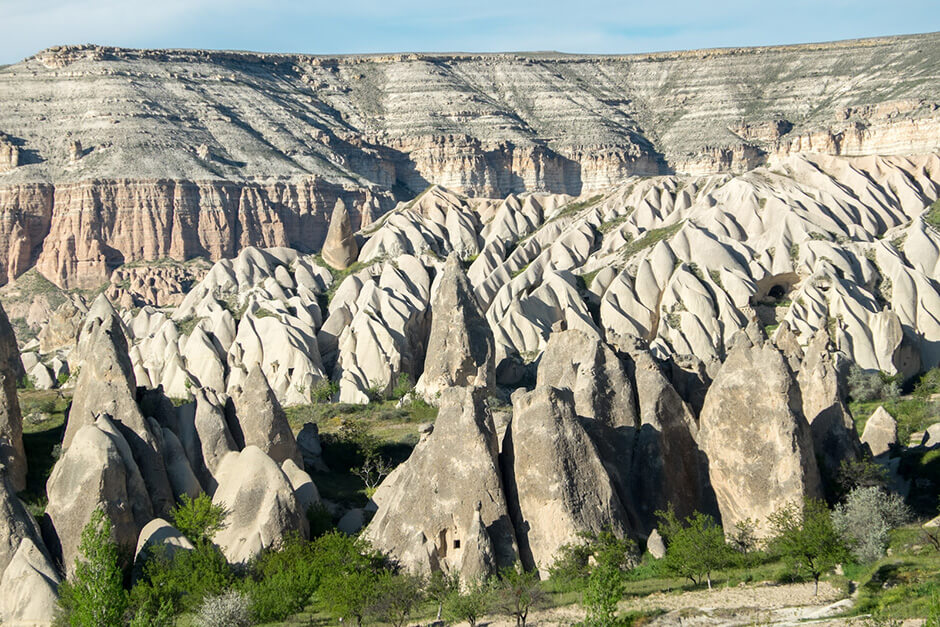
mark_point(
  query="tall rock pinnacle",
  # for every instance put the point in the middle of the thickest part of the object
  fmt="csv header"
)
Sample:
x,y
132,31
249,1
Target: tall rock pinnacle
x,y
340,249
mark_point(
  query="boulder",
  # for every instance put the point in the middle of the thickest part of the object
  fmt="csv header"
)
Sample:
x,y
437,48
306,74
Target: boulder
x,y
98,471
41,377
340,249
159,535
932,436
308,441
460,346
262,420
29,588
758,444
655,545
261,504
881,432
427,505
305,490
834,436
558,487
12,454
16,523
107,386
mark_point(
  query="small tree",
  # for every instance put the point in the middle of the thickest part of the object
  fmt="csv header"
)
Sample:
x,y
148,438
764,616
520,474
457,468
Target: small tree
x,y
469,604
198,518
744,537
282,580
373,469
807,539
865,519
229,609
440,588
613,557
519,590
94,596
397,596
349,595
694,548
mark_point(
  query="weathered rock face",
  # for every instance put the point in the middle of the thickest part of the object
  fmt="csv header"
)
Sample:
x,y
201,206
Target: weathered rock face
x,y
340,249
16,524
97,471
85,215
834,436
160,533
28,588
666,467
460,346
427,507
582,363
881,432
558,486
262,420
758,444
261,504
106,386
12,454
206,438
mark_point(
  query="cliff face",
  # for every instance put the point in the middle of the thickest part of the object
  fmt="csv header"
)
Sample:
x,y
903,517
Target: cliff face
x,y
110,155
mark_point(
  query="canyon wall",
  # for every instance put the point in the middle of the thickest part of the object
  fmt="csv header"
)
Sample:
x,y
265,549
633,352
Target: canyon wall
x,y
110,155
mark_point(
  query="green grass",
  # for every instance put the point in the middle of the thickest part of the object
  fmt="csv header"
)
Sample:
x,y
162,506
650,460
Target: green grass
x,y
651,238
611,225
574,207
933,215
902,584
912,413
40,441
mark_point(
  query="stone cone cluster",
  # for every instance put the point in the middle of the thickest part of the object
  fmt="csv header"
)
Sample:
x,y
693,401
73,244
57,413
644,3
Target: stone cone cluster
x,y
603,441
130,453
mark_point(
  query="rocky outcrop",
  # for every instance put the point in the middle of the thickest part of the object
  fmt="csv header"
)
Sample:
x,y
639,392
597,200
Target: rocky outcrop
x,y
880,432
97,471
12,454
428,507
340,248
758,445
29,588
107,387
160,536
558,485
460,346
261,504
262,422
834,436
16,524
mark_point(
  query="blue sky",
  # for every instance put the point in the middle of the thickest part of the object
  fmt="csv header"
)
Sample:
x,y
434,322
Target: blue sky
x,y
351,26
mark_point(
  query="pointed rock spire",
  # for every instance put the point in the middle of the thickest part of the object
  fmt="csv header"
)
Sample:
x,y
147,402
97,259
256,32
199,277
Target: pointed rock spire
x,y
340,249
460,346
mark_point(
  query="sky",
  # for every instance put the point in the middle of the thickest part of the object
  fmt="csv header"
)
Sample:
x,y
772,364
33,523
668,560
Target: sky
x,y
365,26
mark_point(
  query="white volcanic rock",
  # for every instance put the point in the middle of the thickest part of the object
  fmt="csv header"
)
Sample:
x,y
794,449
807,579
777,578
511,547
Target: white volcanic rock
x,y
340,248
429,506
12,454
159,535
261,504
881,432
29,588
758,444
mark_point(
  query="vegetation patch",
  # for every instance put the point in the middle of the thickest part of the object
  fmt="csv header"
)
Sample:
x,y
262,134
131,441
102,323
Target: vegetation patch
x,y
933,215
573,208
651,238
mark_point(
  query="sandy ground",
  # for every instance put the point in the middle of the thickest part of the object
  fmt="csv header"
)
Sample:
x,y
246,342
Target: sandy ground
x,y
752,604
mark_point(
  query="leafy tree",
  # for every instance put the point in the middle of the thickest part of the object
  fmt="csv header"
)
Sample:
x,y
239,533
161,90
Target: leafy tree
x,y
346,571
865,519
94,596
229,609
694,548
807,539
613,556
397,596
180,581
861,473
349,595
518,591
471,603
744,537
440,588
571,565
197,518
281,581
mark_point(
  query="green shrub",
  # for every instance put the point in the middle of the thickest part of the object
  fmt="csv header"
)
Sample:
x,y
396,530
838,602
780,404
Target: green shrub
x,y
197,518
870,386
324,391
346,573
403,386
470,604
865,519
282,581
181,581
807,538
605,584
320,520
94,596
694,548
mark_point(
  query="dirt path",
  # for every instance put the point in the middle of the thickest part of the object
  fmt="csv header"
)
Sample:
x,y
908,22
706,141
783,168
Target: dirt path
x,y
762,603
